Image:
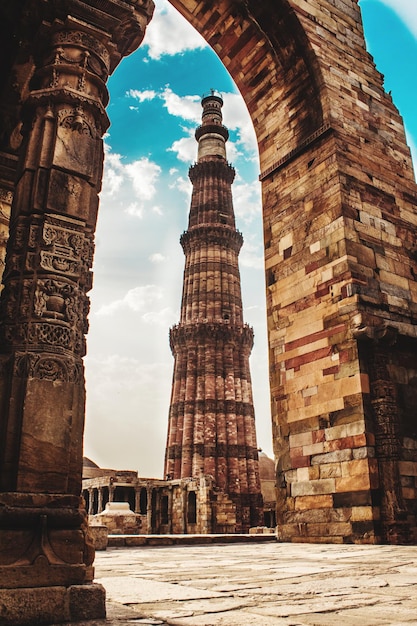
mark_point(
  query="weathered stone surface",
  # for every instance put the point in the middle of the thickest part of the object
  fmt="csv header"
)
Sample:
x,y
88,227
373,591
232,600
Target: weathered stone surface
x,y
41,605
86,602
100,537
276,584
51,604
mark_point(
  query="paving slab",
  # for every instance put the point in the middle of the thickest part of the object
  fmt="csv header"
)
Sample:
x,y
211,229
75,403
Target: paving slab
x,y
267,584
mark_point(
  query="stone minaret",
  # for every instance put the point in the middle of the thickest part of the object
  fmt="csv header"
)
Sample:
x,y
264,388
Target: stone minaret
x,y
211,428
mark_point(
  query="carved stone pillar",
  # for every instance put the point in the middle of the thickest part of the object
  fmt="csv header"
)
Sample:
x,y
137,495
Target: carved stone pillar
x,y
6,197
137,499
44,540
90,501
100,500
395,528
149,511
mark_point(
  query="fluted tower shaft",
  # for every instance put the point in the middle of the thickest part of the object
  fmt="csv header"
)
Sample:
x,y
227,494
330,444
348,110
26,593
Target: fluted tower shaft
x,y
211,429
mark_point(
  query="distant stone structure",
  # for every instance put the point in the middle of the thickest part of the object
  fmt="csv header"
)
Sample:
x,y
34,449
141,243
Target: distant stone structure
x,y
211,429
183,506
339,212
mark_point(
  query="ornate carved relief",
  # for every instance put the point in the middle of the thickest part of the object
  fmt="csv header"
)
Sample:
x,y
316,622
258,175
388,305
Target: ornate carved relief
x,y
6,196
76,119
46,367
91,48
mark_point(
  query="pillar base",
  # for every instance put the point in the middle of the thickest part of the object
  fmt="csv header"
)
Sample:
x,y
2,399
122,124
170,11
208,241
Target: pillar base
x,y
52,605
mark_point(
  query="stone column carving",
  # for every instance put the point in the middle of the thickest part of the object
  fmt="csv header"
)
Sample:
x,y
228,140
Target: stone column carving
x,y
149,511
137,499
6,197
100,500
44,539
377,344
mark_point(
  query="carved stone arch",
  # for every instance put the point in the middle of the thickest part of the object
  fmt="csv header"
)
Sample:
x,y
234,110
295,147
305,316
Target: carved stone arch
x,y
282,75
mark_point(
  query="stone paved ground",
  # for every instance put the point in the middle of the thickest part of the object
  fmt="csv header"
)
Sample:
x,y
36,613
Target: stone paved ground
x,y
263,584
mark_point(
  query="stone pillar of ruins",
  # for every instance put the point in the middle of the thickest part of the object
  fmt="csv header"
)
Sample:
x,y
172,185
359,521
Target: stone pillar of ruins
x,y
46,555
211,422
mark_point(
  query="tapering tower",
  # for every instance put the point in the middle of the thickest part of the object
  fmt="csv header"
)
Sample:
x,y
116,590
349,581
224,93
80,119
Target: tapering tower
x,y
211,428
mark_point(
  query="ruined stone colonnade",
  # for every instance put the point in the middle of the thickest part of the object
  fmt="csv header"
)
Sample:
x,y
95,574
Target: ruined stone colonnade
x,y
339,202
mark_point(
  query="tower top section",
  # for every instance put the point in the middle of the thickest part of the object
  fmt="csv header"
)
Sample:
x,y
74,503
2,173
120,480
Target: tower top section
x,y
211,135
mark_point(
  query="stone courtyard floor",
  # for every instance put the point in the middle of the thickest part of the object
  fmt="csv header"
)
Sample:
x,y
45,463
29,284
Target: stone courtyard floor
x,y
259,583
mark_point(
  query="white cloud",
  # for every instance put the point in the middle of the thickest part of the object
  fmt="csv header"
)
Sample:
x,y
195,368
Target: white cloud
x,y
157,257
140,299
132,185
247,201
186,107
142,96
184,185
143,174
113,172
406,10
164,318
145,300
237,118
134,209
169,33
252,254
185,148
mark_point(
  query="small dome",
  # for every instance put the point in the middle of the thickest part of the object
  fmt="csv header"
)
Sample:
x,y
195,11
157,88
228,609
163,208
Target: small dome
x,y
266,467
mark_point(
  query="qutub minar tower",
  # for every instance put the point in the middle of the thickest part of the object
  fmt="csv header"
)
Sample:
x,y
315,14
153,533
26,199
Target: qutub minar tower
x,y
211,429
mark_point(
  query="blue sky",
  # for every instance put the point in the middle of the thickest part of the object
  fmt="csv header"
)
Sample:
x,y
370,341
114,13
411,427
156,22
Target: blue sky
x,y
154,109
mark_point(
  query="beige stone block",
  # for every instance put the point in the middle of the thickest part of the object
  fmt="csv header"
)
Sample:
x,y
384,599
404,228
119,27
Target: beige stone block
x,y
314,472
330,470
306,503
355,468
353,483
301,439
343,529
315,448
319,487
310,391
303,474
337,456
315,247
351,385
301,413
393,279
345,430
303,327
286,242
362,513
